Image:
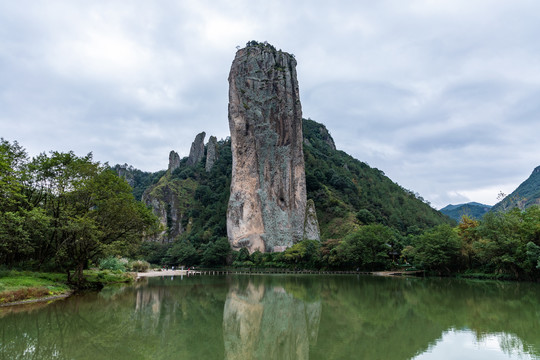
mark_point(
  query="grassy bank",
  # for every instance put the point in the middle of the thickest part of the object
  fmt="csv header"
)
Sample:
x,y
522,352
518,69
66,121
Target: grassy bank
x,y
18,286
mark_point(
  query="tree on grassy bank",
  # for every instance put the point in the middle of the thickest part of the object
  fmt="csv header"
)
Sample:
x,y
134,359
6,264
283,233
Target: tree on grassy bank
x,y
61,211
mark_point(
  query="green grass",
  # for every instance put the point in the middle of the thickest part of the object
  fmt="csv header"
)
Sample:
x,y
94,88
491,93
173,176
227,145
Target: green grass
x,y
26,285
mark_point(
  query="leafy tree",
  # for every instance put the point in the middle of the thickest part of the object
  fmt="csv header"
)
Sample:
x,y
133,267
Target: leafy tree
x,y
437,249
182,253
216,253
91,211
305,254
369,247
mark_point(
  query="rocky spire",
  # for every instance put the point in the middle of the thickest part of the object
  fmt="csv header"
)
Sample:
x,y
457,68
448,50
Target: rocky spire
x,y
311,224
211,153
174,160
196,153
267,205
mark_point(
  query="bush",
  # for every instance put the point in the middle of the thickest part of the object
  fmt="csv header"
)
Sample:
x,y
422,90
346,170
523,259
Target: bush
x,y
140,266
113,263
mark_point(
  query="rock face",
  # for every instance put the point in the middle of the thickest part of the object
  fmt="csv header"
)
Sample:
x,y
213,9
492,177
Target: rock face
x,y
196,153
126,171
174,160
267,204
311,225
327,138
211,153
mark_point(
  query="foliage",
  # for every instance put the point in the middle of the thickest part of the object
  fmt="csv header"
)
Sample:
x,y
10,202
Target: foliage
x,y
436,250
304,254
349,193
61,211
140,265
113,263
526,194
216,253
181,253
368,248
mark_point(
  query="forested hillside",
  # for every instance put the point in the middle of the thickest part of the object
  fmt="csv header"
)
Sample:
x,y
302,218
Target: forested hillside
x,y
473,210
347,193
526,194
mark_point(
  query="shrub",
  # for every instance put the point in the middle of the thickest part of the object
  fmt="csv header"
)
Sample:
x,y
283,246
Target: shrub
x,y
113,263
140,266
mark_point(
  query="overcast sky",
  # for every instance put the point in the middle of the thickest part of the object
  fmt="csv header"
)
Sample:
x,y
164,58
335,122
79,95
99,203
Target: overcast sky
x,y
441,95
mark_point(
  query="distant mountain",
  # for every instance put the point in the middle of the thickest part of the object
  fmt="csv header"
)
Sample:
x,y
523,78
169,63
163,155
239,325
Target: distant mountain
x,y
526,194
472,209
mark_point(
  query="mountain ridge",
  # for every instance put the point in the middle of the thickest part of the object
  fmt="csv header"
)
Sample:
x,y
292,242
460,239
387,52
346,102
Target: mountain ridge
x,y
524,196
472,209
347,193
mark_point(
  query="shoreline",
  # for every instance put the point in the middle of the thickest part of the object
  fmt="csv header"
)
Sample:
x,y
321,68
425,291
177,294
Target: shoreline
x,y
42,299
165,273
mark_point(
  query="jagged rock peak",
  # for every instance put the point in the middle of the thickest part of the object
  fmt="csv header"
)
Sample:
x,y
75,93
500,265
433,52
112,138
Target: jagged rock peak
x,y
311,224
196,153
126,172
174,160
267,205
327,138
211,153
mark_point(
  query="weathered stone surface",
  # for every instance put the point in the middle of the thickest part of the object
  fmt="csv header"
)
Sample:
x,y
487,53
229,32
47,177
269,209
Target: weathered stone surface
x,y
126,171
327,138
174,160
211,153
311,225
170,200
268,191
196,153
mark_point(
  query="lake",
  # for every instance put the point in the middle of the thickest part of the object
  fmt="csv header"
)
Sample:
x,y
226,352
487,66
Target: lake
x,y
282,317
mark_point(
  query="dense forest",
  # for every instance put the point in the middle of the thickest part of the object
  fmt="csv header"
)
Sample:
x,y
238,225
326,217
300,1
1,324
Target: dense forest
x,y
61,212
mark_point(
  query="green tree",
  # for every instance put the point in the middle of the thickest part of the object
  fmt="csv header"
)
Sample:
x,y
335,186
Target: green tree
x,y
216,253
182,253
437,249
92,211
368,247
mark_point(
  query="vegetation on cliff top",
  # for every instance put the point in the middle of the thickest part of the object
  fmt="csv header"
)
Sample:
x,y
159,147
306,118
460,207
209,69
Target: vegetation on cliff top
x,y
527,194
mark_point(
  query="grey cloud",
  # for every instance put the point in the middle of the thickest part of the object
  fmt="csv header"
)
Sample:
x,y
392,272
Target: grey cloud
x,y
441,96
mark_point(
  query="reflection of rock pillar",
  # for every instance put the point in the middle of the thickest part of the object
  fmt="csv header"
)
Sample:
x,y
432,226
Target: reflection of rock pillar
x,y
242,321
261,322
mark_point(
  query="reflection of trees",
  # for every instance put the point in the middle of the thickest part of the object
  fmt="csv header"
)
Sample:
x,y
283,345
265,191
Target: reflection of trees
x,y
156,321
388,318
319,317
270,319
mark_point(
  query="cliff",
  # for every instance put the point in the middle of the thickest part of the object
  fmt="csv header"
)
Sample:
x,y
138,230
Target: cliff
x,y
267,204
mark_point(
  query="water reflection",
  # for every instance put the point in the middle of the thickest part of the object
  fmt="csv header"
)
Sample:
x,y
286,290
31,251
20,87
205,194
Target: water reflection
x,y
281,317
263,320
460,344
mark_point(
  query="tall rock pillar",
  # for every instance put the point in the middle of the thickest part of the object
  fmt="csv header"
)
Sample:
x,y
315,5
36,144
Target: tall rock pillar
x,y
268,190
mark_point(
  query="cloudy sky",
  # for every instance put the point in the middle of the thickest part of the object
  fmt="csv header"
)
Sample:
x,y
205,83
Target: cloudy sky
x,y
442,95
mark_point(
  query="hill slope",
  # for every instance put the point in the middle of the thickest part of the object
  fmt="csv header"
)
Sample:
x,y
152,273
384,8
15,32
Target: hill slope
x,y
472,209
526,194
347,194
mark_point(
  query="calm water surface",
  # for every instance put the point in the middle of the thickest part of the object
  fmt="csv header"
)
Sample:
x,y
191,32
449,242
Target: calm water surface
x,y
282,317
